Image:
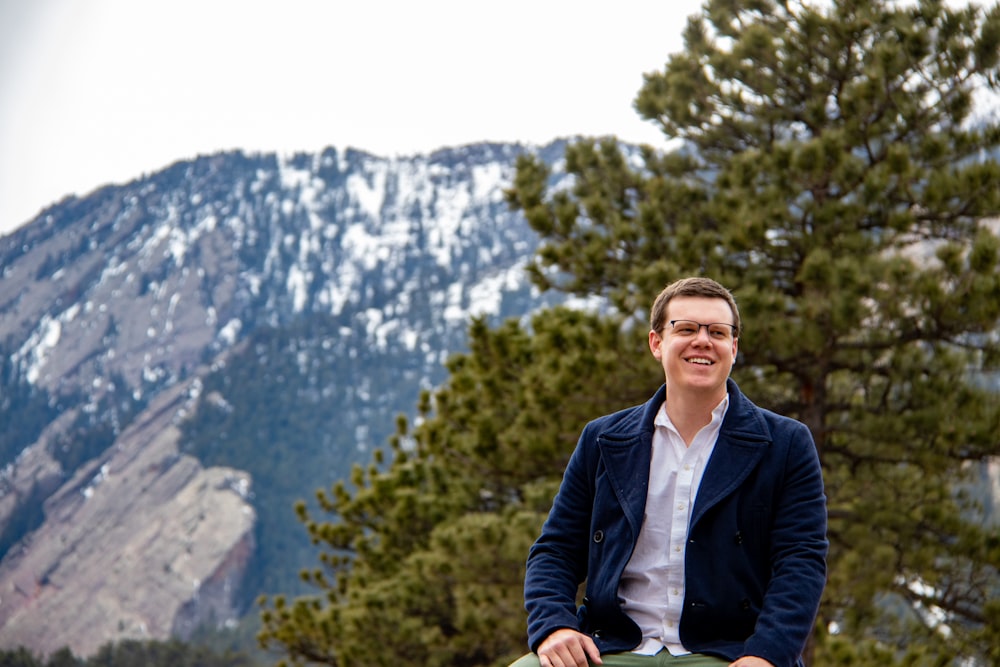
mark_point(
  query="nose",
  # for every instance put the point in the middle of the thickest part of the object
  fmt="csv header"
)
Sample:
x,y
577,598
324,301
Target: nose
x,y
703,328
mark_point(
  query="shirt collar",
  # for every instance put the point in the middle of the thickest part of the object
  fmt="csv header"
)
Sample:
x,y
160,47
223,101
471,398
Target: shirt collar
x,y
718,414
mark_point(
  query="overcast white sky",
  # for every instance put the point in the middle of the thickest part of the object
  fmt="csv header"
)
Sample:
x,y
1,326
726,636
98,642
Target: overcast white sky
x,y
103,91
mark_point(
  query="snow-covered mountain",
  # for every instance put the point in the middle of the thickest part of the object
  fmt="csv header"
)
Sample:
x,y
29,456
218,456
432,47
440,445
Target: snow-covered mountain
x,y
124,313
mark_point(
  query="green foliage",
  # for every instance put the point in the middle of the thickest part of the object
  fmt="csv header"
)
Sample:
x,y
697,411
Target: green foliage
x,y
832,177
95,427
20,657
171,653
63,658
30,514
24,411
267,411
831,174
448,602
425,558
131,653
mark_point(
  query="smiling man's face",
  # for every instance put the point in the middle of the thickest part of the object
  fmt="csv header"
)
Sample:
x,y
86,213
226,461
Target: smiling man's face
x,y
698,362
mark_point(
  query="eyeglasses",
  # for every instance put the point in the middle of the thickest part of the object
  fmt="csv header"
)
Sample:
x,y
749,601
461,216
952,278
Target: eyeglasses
x,y
716,330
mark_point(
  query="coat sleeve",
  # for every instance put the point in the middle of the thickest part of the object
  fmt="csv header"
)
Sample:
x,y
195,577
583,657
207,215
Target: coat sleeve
x,y
557,561
798,557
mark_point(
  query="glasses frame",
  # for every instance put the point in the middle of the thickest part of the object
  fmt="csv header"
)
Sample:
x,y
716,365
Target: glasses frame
x,y
699,325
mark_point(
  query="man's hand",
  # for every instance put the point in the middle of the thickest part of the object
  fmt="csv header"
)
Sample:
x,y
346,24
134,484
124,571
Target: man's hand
x,y
751,661
568,648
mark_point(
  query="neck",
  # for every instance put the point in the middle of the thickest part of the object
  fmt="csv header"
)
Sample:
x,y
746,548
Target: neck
x,y
691,413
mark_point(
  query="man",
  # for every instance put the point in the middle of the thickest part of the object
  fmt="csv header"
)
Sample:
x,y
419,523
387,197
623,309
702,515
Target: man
x,y
697,520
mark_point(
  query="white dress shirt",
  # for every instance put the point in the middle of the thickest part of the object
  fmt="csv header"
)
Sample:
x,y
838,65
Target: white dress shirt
x,y
652,585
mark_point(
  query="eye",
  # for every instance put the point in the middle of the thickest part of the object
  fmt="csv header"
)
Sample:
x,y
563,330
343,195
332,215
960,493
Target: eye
x,y
685,328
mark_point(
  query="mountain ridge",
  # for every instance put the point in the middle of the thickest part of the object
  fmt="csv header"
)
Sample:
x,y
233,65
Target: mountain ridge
x,y
333,285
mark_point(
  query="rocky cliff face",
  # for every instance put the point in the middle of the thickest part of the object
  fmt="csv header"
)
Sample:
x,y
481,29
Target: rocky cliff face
x,y
115,307
140,542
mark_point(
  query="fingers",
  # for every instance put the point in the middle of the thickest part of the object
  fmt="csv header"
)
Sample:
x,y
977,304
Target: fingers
x,y
751,661
593,652
568,648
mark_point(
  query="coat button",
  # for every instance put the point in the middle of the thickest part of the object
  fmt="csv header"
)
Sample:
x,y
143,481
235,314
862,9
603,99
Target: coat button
x,y
599,537
739,537
744,604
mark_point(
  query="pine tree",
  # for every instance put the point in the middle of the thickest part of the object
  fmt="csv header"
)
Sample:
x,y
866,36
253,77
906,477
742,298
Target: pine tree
x,y
830,172
825,164
424,558
19,657
63,658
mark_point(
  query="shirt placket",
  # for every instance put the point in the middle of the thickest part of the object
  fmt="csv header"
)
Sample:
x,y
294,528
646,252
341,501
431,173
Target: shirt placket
x,y
680,515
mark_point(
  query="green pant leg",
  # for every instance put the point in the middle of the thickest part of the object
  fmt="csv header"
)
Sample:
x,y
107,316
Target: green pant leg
x,y
662,659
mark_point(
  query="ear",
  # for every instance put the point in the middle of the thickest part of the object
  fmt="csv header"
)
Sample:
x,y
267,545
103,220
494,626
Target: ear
x,y
655,342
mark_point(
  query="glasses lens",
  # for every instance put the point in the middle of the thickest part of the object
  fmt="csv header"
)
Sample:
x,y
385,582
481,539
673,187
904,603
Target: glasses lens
x,y
685,327
720,331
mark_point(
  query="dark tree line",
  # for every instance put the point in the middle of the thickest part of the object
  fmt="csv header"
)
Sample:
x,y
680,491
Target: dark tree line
x,y
171,653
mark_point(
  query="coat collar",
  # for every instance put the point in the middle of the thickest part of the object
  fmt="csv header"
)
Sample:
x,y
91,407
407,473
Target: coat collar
x,y
626,450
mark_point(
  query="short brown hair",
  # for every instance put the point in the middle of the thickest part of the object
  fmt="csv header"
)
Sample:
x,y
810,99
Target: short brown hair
x,y
702,287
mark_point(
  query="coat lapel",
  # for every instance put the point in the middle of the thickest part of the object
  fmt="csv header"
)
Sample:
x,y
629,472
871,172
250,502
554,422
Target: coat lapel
x,y
627,464
626,454
740,447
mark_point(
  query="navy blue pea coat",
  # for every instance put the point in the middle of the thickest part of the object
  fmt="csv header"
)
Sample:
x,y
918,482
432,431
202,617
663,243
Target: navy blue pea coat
x,y
755,562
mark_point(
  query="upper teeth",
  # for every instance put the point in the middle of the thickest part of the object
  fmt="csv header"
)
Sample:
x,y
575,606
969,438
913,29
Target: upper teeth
x,y
707,362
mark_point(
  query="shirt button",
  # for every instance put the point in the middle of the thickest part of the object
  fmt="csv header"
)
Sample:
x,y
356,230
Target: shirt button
x,y
675,592
680,506
677,548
